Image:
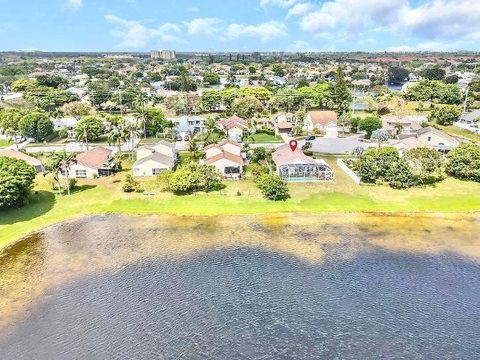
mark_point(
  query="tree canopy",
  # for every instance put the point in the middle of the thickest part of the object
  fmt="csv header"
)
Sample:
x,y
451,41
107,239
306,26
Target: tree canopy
x,y
16,182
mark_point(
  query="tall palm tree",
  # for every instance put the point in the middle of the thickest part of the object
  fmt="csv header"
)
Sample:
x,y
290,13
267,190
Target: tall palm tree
x,y
132,131
117,136
194,149
60,163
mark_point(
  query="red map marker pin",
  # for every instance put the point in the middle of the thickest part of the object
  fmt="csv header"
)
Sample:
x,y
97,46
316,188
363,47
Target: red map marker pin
x,y
293,144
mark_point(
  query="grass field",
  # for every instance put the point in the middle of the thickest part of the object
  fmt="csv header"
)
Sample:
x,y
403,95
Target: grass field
x,y
104,195
264,138
4,143
462,133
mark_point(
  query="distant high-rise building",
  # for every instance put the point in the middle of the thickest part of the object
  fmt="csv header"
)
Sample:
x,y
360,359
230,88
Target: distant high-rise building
x,y
163,54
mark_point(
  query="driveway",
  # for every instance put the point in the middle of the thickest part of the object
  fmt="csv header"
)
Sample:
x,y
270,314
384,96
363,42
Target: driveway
x,y
336,145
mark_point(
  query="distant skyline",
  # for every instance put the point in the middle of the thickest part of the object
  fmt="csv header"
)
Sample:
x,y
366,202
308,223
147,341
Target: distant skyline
x,y
247,25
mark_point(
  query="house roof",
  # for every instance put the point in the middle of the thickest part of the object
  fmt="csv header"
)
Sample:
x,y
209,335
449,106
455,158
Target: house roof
x,y
323,117
284,155
222,143
95,158
284,125
233,121
225,155
21,156
161,142
158,158
410,142
429,129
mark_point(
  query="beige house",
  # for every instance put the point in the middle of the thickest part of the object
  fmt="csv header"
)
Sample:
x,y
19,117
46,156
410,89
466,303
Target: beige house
x,y
324,120
402,125
37,164
93,163
234,127
153,159
437,139
226,157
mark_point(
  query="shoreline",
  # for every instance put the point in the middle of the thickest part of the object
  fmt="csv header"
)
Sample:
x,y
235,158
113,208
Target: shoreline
x,y
424,214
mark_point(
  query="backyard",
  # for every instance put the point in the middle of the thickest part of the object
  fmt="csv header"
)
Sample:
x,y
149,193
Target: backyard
x,y
4,143
105,195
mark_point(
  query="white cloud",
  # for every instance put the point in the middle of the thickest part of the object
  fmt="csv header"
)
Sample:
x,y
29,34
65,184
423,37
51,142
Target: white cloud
x,y
208,26
264,31
300,9
434,21
280,3
73,4
133,34
193,9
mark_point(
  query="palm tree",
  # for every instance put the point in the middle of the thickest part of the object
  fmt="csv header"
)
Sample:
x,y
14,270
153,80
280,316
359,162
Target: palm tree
x,y
194,149
81,132
117,136
60,163
131,131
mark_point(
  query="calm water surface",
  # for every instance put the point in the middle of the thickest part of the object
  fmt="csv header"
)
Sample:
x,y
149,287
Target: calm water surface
x,y
286,287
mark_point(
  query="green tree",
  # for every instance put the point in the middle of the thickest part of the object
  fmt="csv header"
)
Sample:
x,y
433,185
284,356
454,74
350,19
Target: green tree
x,y
433,73
247,107
463,162
272,186
445,115
341,94
211,78
369,124
59,164
89,128
35,125
130,184
426,164
77,109
16,182
10,118
194,149
53,81
193,177
397,75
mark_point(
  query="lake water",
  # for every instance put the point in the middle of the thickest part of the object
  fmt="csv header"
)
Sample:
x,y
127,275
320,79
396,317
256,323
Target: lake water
x,y
277,287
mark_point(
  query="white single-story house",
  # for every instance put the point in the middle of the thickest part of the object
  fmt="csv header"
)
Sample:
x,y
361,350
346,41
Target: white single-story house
x,y
296,166
153,159
93,163
324,120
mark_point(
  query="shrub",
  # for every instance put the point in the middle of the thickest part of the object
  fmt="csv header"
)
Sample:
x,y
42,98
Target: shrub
x,y
259,153
63,133
369,124
426,165
130,184
265,130
384,165
272,186
257,169
193,177
16,181
463,162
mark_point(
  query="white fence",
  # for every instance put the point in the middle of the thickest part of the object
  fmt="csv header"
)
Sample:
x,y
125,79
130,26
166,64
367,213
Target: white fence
x,y
348,171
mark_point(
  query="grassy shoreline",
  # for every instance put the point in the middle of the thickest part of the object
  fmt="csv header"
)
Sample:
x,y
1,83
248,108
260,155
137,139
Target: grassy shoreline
x,y
104,195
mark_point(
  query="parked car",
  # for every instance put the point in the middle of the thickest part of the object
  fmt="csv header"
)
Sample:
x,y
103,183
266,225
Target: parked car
x,y
178,138
186,138
310,138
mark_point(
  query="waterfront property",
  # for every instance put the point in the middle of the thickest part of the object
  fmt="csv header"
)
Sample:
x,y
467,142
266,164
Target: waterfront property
x,y
37,164
153,159
296,166
226,157
93,163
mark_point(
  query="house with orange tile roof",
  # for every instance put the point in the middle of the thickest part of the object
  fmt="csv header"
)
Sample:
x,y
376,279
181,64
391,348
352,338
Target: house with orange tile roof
x,y
93,163
226,157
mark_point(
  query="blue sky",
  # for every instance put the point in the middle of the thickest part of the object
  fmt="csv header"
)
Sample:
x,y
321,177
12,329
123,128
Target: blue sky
x,y
240,25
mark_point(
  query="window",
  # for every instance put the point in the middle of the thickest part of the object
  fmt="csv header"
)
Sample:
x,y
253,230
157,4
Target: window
x,y
81,173
429,138
156,171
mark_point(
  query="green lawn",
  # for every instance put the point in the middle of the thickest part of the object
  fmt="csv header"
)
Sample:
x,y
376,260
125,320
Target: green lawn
x,y
264,138
4,143
104,195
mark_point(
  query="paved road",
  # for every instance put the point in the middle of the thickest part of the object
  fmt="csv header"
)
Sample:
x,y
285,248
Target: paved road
x,y
336,145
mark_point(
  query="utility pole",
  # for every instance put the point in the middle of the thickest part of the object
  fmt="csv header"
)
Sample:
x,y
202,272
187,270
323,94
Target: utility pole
x,y
465,102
